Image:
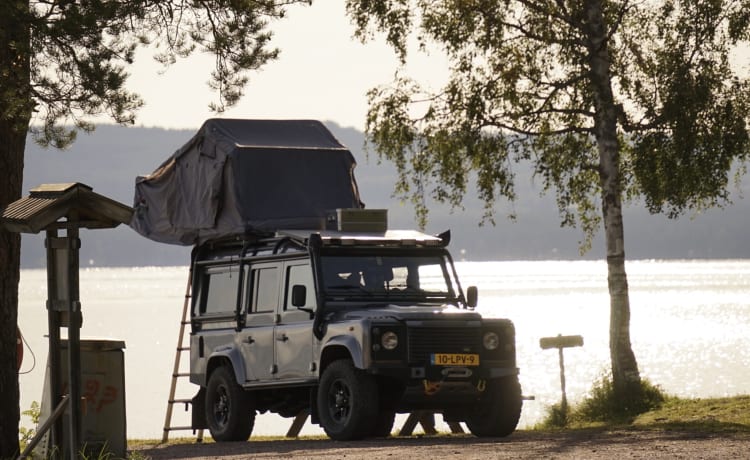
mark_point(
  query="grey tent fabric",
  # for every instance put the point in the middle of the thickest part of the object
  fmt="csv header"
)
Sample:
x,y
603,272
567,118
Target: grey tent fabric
x,y
236,177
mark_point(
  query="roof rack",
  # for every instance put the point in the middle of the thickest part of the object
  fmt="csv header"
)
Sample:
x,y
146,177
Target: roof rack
x,y
388,238
250,245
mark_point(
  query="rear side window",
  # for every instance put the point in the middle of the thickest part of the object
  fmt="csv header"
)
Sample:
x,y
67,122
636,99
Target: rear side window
x,y
266,292
219,290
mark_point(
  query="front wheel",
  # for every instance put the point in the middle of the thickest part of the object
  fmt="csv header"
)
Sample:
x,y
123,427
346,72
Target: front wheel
x,y
498,410
229,410
347,402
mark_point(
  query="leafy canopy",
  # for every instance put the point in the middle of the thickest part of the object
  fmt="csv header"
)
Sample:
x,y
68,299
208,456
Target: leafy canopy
x,y
79,50
520,88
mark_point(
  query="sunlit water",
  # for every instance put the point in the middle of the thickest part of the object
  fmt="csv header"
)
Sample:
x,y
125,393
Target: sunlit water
x,y
689,329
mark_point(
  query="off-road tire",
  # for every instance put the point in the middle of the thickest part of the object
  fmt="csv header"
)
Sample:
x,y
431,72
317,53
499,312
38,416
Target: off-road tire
x,y
347,401
498,410
229,410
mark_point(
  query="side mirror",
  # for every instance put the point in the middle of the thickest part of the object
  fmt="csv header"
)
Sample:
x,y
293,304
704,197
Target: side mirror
x,y
299,297
472,296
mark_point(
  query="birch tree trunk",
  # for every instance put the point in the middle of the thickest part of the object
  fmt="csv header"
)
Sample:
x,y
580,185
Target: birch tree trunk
x,y
625,375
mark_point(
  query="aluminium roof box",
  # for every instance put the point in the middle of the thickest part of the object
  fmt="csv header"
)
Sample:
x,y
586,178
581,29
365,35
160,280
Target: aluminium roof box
x,y
237,177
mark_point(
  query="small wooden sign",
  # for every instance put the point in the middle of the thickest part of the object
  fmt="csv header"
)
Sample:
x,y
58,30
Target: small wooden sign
x,y
561,341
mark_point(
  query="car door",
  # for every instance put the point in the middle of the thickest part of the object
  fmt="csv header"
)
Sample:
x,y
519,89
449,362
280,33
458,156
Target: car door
x,y
294,338
256,338
214,316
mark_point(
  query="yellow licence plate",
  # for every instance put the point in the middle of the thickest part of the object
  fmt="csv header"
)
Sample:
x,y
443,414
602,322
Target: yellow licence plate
x,y
454,359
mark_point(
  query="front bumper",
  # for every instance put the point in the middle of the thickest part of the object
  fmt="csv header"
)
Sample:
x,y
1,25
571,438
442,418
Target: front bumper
x,y
439,388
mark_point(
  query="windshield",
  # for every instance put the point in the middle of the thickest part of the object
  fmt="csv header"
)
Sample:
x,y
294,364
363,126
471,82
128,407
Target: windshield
x,y
417,276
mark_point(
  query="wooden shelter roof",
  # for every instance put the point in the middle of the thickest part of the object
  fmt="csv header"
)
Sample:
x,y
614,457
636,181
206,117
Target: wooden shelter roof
x,y
64,206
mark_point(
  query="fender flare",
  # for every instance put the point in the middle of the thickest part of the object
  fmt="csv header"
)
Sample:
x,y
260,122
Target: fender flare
x,y
350,344
233,356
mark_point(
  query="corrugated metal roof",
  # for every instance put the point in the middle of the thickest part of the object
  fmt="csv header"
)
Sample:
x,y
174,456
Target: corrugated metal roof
x,y
60,205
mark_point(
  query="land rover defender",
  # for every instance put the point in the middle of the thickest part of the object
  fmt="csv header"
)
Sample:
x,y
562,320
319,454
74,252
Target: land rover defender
x,y
353,324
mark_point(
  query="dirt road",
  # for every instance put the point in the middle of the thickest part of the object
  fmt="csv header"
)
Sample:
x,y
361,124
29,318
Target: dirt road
x,y
522,444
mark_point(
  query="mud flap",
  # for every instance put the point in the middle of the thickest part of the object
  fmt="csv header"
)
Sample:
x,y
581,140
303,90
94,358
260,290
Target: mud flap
x,y
314,406
198,414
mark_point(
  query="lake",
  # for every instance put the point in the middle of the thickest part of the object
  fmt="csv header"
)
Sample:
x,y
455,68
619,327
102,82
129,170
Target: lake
x,y
689,329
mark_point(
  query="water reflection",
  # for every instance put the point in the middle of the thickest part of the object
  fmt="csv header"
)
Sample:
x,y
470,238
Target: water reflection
x,y
688,327
689,323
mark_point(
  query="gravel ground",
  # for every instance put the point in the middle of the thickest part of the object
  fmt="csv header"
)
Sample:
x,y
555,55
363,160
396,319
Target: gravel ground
x,y
593,444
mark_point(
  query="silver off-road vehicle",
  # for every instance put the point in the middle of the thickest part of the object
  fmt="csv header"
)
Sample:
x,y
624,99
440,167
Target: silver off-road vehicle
x,y
352,326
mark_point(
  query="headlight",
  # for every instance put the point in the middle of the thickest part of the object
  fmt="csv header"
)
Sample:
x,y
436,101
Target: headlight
x,y
389,340
490,340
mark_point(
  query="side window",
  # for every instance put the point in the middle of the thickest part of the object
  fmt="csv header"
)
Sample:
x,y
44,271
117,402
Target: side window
x,y
434,277
299,274
219,290
401,279
266,292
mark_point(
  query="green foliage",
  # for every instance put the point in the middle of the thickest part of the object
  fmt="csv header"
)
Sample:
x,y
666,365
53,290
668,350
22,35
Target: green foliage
x,y
77,54
65,61
605,406
659,412
87,452
26,434
608,100
639,93
99,452
392,16
694,106
556,418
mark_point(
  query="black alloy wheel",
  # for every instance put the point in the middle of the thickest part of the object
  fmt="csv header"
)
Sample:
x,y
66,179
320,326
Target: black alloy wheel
x,y
230,414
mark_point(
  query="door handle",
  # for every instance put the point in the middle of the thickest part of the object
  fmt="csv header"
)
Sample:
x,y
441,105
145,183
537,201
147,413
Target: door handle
x,y
282,338
249,340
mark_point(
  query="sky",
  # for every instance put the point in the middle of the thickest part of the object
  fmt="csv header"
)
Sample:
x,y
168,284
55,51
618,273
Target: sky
x,y
322,73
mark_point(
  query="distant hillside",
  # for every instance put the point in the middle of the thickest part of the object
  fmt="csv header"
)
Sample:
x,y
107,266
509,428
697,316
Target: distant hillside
x,y
111,158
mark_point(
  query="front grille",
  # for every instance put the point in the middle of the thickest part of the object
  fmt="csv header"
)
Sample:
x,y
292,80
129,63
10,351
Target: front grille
x,y
424,341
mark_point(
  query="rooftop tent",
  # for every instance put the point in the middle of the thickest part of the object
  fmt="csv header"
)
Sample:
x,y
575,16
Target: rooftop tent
x,y
243,176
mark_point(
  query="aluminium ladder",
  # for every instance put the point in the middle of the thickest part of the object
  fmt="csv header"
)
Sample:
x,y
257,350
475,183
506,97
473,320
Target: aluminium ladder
x,y
176,370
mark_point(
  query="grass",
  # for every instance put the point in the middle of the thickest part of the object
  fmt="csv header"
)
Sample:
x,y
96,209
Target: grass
x,y
661,412
653,409
669,413
658,412
705,415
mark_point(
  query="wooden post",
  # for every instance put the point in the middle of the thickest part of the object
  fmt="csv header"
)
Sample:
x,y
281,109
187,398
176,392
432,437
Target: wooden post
x,y
560,342
64,309
455,427
564,402
424,418
53,319
298,423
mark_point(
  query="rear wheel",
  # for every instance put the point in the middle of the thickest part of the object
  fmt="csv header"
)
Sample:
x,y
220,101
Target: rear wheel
x,y
347,401
230,414
498,410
